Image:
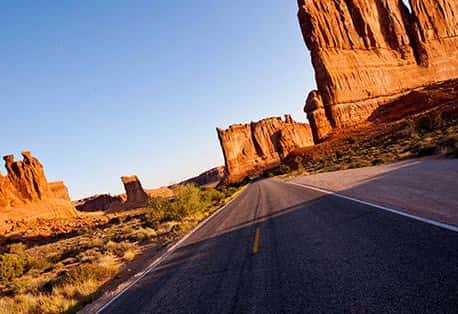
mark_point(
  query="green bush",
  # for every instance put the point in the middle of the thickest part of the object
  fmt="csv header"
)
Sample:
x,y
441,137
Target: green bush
x,y
430,122
229,191
426,150
211,196
12,266
188,199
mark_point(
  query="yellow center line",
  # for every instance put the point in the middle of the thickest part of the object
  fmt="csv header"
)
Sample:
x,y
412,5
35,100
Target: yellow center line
x,y
257,241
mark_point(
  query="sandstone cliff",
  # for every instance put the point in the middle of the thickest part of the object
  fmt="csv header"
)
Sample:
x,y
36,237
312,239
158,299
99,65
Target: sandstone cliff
x,y
25,192
252,148
368,52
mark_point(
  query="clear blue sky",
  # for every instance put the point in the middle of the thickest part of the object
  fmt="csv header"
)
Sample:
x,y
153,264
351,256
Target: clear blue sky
x,y
101,89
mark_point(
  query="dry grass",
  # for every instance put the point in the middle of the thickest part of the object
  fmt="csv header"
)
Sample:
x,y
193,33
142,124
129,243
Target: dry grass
x,y
62,275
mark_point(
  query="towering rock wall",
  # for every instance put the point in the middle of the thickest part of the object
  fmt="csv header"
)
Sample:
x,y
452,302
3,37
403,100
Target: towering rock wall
x,y
252,148
368,52
26,193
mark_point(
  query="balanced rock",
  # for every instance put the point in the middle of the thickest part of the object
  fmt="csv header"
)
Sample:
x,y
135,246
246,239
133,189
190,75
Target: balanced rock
x,y
368,52
134,190
250,149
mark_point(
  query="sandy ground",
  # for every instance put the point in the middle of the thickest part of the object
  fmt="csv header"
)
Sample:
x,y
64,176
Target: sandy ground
x,y
424,187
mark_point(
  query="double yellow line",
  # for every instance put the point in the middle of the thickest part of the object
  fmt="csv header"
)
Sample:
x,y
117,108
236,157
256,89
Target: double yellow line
x,y
257,241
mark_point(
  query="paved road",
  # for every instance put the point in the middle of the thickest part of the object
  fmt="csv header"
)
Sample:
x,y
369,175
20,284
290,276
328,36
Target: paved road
x,y
280,248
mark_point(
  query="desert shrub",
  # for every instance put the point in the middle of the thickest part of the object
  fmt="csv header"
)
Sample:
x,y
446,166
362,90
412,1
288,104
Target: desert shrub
x,y
118,249
114,221
130,254
284,169
12,266
211,196
450,146
17,248
103,269
228,191
142,235
40,263
160,210
429,122
339,154
425,150
187,199
278,171
351,140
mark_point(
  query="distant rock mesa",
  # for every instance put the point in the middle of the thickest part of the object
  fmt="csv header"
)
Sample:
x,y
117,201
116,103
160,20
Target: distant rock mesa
x,y
250,149
368,52
135,197
211,177
25,193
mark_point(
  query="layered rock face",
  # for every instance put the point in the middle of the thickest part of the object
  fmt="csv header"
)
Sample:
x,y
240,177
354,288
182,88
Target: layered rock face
x,y
25,192
369,52
252,148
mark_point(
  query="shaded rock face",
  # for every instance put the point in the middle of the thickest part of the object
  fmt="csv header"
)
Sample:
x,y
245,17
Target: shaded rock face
x,y
211,177
99,203
252,148
25,192
369,52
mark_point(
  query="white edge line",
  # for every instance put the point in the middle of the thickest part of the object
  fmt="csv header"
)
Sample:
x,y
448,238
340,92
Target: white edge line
x,y
396,211
164,255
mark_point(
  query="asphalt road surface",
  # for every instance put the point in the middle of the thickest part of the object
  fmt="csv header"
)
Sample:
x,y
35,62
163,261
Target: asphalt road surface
x,y
280,248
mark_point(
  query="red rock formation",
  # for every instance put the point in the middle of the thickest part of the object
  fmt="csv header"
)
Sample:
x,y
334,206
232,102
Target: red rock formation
x,y
252,148
102,202
134,190
25,192
210,177
59,190
135,197
369,52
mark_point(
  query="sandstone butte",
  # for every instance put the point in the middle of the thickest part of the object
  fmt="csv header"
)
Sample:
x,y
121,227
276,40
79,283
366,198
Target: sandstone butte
x,y
26,194
250,149
368,52
135,197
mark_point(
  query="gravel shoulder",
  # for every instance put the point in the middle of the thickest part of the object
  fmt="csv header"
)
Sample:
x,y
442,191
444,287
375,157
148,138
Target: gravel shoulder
x,y
425,187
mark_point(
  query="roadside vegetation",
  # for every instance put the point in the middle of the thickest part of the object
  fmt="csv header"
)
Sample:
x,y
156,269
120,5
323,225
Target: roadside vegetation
x,y
432,133
63,274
